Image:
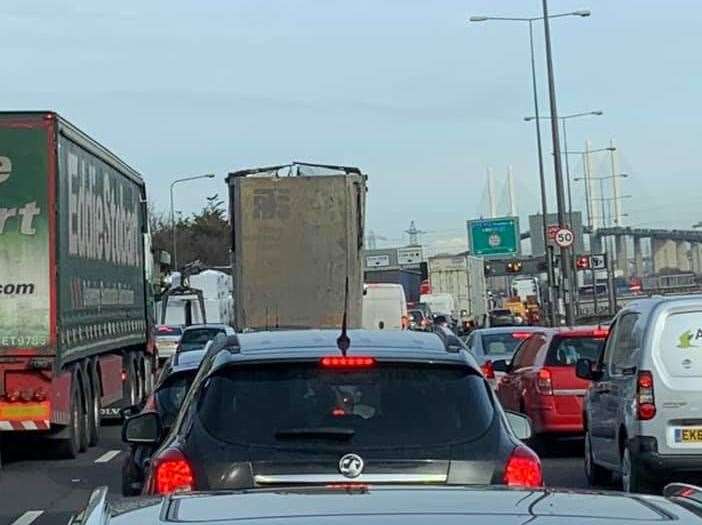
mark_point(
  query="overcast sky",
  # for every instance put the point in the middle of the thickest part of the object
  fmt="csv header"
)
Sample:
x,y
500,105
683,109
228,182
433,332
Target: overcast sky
x,y
405,89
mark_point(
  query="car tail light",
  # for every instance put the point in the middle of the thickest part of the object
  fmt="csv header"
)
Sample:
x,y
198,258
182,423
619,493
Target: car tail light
x,y
173,473
521,335
544,385
124,376
645,401
600,333
488,369
523,469
347,362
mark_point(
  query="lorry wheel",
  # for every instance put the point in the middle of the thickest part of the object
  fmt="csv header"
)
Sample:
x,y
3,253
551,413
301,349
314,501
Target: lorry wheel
x,y
93,405
70,446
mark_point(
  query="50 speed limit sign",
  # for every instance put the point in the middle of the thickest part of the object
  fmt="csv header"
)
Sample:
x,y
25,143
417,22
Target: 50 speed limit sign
x,y
564,238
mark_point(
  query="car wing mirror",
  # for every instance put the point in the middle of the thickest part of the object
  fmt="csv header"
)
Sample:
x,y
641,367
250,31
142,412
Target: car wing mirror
x,y
144,428
520,424
500,365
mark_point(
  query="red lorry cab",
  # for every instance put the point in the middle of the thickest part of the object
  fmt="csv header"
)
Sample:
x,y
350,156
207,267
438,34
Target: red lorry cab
x,y
541,382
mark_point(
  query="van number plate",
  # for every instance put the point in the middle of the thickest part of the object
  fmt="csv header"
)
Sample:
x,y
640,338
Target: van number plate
x,y
688,435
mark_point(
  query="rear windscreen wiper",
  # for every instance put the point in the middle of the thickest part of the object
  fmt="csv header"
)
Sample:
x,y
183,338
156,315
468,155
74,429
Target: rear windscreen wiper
x,y
340,434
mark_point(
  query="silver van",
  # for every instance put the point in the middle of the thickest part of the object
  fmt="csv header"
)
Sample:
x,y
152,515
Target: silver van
x,y
643,411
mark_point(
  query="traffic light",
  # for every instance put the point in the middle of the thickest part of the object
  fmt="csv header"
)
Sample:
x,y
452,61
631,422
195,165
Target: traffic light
x,y
514,267
582,262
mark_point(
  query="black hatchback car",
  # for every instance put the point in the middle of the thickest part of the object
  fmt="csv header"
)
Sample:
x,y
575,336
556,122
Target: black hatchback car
x,y
289,408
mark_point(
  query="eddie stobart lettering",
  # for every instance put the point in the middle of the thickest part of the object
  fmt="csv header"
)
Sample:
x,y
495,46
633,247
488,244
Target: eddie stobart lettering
x,y
17,218
103,218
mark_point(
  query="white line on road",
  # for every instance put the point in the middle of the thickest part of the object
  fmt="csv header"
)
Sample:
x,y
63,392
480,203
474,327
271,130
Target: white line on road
x,y
108,456
28,517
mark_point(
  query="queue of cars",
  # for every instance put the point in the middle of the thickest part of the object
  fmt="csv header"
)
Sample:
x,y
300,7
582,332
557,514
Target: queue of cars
x,y
306,408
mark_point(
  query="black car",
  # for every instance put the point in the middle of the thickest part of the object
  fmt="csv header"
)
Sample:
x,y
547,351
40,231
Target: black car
x,y
170,390
289,408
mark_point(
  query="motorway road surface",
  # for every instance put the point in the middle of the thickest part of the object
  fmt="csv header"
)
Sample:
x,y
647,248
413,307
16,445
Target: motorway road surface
x,y
37,490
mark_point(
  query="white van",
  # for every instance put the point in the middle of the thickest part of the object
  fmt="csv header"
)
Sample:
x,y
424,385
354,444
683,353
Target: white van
x,y
384,307
440,303
643,412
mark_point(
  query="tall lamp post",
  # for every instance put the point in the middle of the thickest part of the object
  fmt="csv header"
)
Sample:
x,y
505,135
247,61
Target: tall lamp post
x,y
544,206
173,226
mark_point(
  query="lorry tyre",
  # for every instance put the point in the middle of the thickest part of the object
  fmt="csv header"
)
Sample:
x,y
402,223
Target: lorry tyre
x,y
70,446
93,404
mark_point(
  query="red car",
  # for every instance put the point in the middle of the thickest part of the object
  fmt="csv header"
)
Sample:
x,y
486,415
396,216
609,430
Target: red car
x,y
540,381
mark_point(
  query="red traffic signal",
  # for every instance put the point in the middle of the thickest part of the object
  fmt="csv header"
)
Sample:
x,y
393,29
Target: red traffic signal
x,y
583,262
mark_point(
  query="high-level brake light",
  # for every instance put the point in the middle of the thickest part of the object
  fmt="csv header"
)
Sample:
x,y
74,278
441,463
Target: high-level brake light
x,y
347,362
521,335
523,469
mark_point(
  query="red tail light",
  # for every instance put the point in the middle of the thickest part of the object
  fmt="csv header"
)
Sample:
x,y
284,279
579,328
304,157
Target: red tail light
x,y
523,469
173,473
600,332
645,400
124,376
520,335
543,382
347,362
488,369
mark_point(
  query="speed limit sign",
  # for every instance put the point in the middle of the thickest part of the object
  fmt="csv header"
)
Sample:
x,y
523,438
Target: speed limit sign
x,y
564,238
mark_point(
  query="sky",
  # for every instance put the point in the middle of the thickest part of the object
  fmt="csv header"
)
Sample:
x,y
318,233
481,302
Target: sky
x,y
421,100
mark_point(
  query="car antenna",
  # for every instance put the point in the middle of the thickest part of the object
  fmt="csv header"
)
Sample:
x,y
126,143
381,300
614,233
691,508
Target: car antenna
x,y
343,342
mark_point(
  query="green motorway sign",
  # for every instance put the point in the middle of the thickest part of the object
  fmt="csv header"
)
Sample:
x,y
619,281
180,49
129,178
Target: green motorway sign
x,y
494,238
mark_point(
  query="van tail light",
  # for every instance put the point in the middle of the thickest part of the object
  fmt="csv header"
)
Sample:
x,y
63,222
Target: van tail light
x,y
488,369
523,469
544,385
173,472
645,401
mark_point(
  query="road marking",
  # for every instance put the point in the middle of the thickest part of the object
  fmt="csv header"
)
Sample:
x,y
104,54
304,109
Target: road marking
x,y
28,517
108,456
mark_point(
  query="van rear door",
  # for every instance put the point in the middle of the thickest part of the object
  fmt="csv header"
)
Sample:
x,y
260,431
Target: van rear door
x,y
677,377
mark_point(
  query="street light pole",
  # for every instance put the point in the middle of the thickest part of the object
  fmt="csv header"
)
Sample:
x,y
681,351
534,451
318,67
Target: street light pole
x,y
173,226
552,298
560,196
552,301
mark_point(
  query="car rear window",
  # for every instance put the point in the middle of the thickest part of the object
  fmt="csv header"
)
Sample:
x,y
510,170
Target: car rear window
x,y
197,338
374,407
170,395
565,351
500,344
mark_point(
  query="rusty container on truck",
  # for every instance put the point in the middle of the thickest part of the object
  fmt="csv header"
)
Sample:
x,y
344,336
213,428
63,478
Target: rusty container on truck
x,y
297,238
